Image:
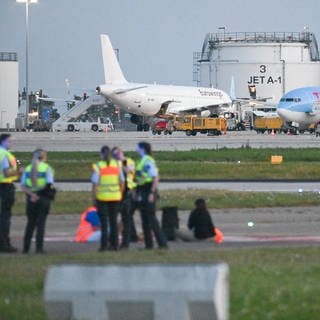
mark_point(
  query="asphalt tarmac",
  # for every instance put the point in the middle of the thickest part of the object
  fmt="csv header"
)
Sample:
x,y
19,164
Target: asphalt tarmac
x,y
92,141
242,228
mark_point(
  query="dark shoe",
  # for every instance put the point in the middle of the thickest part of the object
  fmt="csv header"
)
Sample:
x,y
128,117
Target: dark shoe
x,y
164,247
40,251
124,247
102,249
8,249
25,251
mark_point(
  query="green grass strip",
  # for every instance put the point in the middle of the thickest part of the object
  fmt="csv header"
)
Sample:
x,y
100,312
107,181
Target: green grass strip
x,y
275,283
243,163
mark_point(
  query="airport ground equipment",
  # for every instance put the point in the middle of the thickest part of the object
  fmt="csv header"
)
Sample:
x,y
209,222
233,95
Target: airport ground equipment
x,y
269,125
191,125
71,120
163,125
136,292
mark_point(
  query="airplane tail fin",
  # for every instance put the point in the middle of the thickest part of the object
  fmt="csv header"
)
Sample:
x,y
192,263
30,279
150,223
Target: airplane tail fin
x,y
232,89
112,71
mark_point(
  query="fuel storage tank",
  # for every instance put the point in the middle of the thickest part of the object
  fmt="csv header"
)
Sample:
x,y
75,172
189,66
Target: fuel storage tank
x,y
275,62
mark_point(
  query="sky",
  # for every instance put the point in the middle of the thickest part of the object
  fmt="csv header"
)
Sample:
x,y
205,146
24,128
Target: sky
x,y
156,39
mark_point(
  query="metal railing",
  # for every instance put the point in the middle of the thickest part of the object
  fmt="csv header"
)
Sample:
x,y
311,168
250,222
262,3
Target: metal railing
x,y
214,40
8,56
249,37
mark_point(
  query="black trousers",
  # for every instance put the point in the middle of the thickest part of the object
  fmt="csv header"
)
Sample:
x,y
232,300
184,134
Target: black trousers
x,y
125,219
150,223
134,205
7,193
128,207
37,213
108,212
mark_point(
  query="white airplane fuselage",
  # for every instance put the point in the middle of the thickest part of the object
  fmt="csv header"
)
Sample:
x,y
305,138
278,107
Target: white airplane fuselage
x,y
147,100
154,100
301,106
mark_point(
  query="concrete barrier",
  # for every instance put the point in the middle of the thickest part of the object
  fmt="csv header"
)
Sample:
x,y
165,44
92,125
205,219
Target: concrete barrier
x,y
137,292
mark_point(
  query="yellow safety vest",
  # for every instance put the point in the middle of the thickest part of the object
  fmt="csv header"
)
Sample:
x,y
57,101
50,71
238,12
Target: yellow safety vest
x,y
13,166
142,177
41,176
131,174
108,188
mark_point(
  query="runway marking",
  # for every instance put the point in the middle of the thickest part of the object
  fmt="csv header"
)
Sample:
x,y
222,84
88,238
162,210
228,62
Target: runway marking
x,y
228,239
271,239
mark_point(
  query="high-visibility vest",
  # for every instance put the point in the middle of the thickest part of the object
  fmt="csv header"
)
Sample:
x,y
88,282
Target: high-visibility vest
x,y
143,177
108,188
131,174
85,229
41,176
13,166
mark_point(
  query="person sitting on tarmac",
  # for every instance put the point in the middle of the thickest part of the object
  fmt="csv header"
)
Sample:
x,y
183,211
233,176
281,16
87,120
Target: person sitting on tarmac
x,y
89,229
200,225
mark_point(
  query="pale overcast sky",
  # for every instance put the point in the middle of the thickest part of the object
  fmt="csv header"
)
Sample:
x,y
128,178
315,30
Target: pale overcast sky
x,y
156,39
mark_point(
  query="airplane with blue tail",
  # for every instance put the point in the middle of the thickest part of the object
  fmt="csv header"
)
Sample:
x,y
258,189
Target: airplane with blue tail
x,y
300,107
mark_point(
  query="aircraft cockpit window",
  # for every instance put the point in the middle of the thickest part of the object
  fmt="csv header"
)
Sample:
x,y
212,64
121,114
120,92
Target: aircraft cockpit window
x,y
282,99
293,100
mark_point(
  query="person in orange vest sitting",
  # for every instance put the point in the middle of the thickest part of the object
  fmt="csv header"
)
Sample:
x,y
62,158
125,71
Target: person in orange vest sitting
x,y
89,229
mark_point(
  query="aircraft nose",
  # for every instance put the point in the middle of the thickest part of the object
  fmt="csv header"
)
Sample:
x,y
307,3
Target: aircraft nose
x,y
282,112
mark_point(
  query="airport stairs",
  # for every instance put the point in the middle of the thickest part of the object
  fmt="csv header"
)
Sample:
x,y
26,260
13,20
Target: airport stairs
x,y
81,107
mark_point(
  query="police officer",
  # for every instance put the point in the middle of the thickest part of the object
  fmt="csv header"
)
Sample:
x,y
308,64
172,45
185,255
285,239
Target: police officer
x,y
128,168
107,187
147,179
36,182
8,174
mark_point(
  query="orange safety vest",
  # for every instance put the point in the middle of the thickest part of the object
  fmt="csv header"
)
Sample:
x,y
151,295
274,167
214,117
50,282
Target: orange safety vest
x,y
108,188
85,229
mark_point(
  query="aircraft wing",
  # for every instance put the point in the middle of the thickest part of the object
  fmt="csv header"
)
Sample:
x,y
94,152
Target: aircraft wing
x,y
252,100
176,108
58,100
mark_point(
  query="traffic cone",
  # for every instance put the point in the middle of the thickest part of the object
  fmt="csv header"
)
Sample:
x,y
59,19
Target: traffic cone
x,y
218,238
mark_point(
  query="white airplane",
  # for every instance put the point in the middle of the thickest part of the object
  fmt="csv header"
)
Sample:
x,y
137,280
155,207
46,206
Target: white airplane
x,y
154,100
300,107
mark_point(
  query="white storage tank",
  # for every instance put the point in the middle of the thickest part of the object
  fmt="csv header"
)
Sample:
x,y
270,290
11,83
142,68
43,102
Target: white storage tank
x,y
274,62
9,82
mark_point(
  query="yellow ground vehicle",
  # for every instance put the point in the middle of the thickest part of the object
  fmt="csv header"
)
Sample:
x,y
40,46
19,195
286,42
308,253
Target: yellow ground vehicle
x,y
194,124
263,124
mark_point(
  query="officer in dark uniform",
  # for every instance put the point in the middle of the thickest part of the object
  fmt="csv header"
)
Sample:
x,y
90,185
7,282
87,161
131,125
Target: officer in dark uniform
x,y
37,183
147,178
8,174
127,166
